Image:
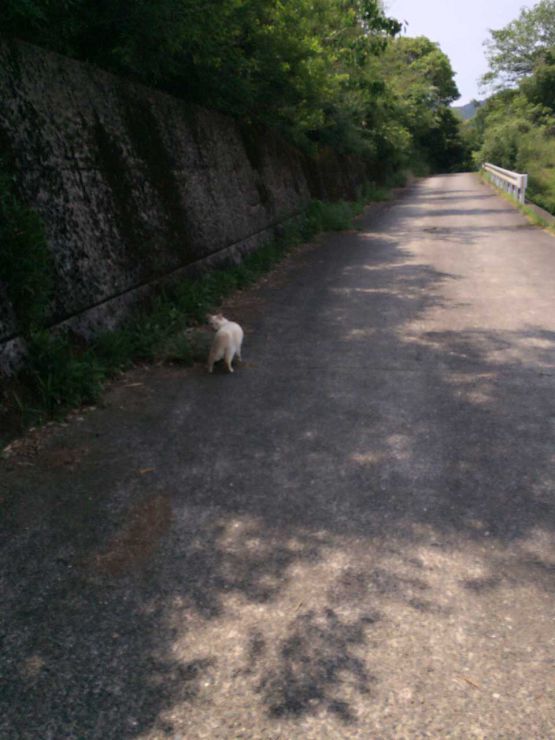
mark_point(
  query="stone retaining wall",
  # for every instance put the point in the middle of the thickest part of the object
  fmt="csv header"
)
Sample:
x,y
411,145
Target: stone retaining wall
x,y
133,185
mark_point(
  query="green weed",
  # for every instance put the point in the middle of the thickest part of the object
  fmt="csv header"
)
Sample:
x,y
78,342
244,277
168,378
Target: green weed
x,y
531,215
330,216
60,375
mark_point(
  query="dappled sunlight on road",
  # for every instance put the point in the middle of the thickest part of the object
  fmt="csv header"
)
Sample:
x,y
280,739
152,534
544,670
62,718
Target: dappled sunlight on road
x,y
362,333
343,627
402,556
532,348
353,533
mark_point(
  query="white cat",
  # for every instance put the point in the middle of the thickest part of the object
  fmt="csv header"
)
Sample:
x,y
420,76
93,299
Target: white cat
x,y
227,342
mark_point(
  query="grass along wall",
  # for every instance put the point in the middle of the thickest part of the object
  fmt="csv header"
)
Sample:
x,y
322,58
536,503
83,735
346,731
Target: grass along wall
x,y
131,187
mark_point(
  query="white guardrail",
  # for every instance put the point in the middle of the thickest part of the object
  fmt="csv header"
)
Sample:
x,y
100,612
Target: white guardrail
x,y
512,182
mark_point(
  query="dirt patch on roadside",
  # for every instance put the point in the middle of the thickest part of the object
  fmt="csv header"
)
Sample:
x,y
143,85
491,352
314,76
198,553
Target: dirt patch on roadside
x,y
137,540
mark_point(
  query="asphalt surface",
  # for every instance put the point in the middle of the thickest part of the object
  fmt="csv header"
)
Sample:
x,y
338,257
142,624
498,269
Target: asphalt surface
x,y
349,537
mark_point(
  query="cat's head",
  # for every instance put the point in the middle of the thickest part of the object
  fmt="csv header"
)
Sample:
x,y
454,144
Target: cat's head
x,y
216,320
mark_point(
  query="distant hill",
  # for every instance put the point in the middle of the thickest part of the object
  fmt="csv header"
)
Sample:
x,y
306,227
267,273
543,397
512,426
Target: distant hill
x,y
467,111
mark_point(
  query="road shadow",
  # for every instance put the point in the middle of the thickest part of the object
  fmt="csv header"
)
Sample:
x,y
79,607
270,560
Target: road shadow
x,y
314,662
190,500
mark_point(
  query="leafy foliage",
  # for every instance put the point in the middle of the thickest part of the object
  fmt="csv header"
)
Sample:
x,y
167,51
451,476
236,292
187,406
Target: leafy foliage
x,y
420,86
515,51
515,128
287,63
539,88
325,72
60,373
59,376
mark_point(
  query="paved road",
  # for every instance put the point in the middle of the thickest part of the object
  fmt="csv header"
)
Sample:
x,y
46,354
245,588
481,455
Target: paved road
x,y
351,537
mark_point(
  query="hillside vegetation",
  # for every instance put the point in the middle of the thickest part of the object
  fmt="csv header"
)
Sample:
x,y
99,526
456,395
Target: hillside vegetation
x,y
324,72
515,128
468,111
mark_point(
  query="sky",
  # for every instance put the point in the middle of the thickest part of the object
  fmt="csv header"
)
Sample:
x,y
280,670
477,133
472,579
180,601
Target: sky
x,y
460,27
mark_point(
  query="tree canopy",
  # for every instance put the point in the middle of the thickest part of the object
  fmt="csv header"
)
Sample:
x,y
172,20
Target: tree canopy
x,y
516,125
515,51
324,72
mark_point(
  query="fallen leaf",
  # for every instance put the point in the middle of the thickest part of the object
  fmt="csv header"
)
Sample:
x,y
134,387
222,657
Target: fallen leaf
x,y
142,471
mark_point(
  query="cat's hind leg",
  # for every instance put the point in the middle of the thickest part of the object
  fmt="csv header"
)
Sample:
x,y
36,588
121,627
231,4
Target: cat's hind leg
x,y
216,353
212,358
228,358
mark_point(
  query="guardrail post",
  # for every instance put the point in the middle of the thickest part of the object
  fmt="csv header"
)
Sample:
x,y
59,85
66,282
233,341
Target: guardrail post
x,y
523,184
513,183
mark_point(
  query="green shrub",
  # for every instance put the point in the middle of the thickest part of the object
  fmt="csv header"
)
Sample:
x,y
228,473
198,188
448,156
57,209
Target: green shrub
x,y
114,349
370,192
179,348
329,216
58,376
536,156
194,297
